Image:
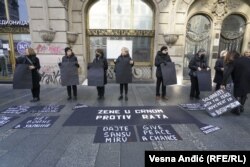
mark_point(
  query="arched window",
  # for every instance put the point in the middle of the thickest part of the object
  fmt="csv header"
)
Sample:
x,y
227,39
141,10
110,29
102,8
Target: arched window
x,y
198,36
113,24
232,33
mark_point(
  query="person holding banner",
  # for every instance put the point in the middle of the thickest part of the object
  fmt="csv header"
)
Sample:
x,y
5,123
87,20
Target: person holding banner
x,y
162,57
70,57
197,63
34,66
100,59
239,69
219,70
123,71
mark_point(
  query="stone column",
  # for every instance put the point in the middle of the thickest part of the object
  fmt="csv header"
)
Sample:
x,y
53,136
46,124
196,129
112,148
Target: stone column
x,y
246,39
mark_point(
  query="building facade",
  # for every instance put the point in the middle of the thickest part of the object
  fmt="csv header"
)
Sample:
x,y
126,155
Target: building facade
x,y
141,25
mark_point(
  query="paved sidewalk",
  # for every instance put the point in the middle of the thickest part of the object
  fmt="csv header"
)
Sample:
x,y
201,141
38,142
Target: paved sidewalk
x,y
61,146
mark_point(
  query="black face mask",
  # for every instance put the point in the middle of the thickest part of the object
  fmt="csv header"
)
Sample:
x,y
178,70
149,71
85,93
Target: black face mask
x,y
202,56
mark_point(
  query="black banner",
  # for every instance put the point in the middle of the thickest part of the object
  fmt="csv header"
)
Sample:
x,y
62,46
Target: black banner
x,y
197,158
16,110
22,78
130,115
69,74
6,119
47,109
169,73
95,74
192,106
148,133
37,122
219,102
204,80
123,72
115,134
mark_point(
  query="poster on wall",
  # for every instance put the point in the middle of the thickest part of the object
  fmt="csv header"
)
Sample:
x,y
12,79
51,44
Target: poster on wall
x,y
21,47
114,48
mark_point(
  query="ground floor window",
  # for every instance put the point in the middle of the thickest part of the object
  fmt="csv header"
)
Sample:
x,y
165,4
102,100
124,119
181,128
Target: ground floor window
x,y
11,47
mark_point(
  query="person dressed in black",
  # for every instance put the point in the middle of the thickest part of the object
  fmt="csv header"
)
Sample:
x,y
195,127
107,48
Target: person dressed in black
x,y
162,57
100,59
125,59
219,70
34,66
239,70
70,57
197,63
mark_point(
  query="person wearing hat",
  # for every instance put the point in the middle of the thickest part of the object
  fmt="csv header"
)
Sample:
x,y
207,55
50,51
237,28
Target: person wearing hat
x,y
162,57
197,63
70,57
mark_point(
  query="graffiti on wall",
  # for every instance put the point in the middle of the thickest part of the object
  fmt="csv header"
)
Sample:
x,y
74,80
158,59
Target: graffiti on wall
x,y
51,49
50,74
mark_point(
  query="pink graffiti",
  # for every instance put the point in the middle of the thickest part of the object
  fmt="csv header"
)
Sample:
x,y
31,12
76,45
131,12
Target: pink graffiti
x,y
49,49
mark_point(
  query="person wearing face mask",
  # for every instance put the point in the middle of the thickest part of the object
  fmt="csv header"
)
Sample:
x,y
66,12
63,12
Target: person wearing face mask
x,y
125,61
197,63
219,70
70,57
162,57
100,59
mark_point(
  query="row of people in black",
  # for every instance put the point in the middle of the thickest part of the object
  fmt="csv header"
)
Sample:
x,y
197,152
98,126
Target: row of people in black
x,y
231,67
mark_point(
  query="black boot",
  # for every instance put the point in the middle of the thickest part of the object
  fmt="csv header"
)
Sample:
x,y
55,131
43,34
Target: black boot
x,y
120,98
242,102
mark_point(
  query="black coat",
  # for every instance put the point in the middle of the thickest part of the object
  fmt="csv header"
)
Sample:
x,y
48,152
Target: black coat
x,y
240,72
34,72
103,61
71,58
159,59
196,62
218,72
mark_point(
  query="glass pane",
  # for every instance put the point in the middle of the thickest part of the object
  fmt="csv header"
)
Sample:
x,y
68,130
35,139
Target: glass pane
x,y
140,48
21,42
232,33
98,15
2,10
18,10
234,23
198,36
6,63
121,14
143,16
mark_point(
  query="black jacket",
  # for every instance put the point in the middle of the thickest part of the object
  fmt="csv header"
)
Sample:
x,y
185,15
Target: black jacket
x,y
218,72
34,72
103,61
196,62
159,59
240,72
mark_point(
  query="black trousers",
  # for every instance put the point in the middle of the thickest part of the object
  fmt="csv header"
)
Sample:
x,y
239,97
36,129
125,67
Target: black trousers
x,y
74,90
36,92
195,91
217,87
125,87
159,83
100,90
